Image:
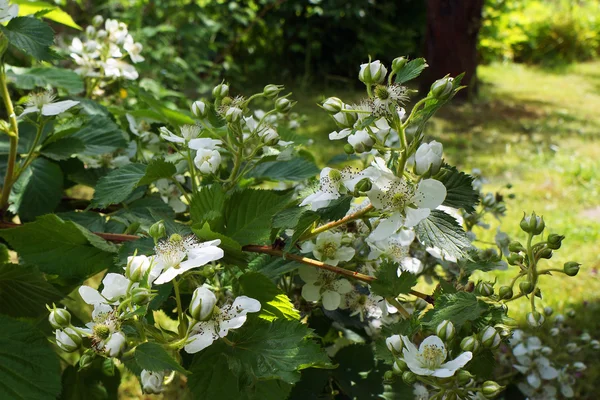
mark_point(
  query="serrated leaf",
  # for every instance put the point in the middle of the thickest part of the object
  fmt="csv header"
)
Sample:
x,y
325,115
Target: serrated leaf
x,y
52,12
459,189
296,169
459,307
60,247
31,36
38,190
118,185
275,303
336,209
24,292
154,357
476,261
85,384
157,169
411,70
45,77
63,149
92,221
389,284
168,115
233,250
248,215
207,206
305,222
443,231
272,267
29,368
100,135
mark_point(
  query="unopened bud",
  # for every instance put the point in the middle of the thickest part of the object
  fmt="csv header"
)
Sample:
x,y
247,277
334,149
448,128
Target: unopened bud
x,y
271,91
485,288
157,231
571,268
488,200
284,105
470,343
548,311
442,88
490,389
535,319
545,253
388,376
398,63
333,105
372,72
399,366
86,360
490,338
579,366
554,332
546,350
595,344
348,149
526,287
505,293
445,330
464,377
572,348
408,377
59,318
515,259
68,340
394,344
220,91
516,247
141,296
532,224
364,185
554,241
200,109
203,304
233,114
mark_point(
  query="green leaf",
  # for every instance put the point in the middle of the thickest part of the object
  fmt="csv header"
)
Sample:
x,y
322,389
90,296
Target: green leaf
x,y
24,292
233,250
459,189
336,209
443,231
288,218
389,284
154,357
91,220
487,260
31,36
411,70
53,12
275,303
158,169
92,383
118,185
296,169
248,215
211,378
29,368
100,136
38,190
45,77
208,206
63,149
305,222
59,247
459,307
170,116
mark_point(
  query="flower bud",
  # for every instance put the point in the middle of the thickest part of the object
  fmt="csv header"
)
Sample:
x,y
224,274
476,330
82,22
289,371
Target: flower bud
x,y
408,377
388,376
141,296
59,318
532,224
545,253
571,313
516,247
526,287
364,185
345,119
585,337
361,141
488,200
271,91
372,72
333,105
445,330
137,267
572,348
470,343
233,114
442,88
490,338
554,241
284,105
220,91
559,318
348,149
399,366
398,63
554,332
394,344
571,268
115,344
514,259
595,344
97,20
428,158
157,231
203,304
579,366
548,311
485,288
68,340
535,319
546,350
464,377
86,360
152,382
491,389
505,293
199,109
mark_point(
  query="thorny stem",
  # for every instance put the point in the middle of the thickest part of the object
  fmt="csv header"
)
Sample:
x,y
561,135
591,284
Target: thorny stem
x,y
13,136
337,223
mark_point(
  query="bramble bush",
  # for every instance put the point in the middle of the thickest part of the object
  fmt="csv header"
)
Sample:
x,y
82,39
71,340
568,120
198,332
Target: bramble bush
x,y
227,268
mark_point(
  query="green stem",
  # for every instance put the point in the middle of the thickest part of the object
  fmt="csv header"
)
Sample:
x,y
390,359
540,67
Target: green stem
x,y
13,139
399,306
30,155
337,223
413,111
192,168
178,300
182,190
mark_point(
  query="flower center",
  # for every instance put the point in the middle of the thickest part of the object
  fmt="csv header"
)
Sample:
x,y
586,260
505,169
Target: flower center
x,y
101,331
329,250
40,99
382,92
432,357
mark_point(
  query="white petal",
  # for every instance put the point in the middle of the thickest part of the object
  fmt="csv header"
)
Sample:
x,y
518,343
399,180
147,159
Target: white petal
x,y
204,143
331,300
345,253
202,256
387,227
232,323
115,285
91,295
458,362
308,274
100,308
168,275
58,107
412,265
414,216
433,341
520,350
307,247
430,194
567,391
342,286
203,339
310,292
340,135
246,304
417,369
547,372
405,236
534,380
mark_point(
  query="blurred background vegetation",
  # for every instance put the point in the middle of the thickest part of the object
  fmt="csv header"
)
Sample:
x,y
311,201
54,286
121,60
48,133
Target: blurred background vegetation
x,y
533,122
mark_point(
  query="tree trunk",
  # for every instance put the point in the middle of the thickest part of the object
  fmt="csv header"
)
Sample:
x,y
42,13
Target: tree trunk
x,y
451,42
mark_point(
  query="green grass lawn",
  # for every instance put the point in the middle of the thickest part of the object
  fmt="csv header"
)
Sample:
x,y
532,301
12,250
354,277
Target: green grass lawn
x,y
535,129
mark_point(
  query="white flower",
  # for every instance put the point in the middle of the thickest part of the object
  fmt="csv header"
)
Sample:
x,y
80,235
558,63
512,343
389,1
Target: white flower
x,y
536,369
328,248
545,392
323,285
361,141
332,185
207,161
170,194
115,288
170,255
133,49
524,346
428,359
204,143
7,12
387,100
393,246
115,68
428,157
233,316
138,266
117,31
44,102
420,392
566,382
67,339
372,72
187,133
115,344
152,381
394,343
344,119
233,114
